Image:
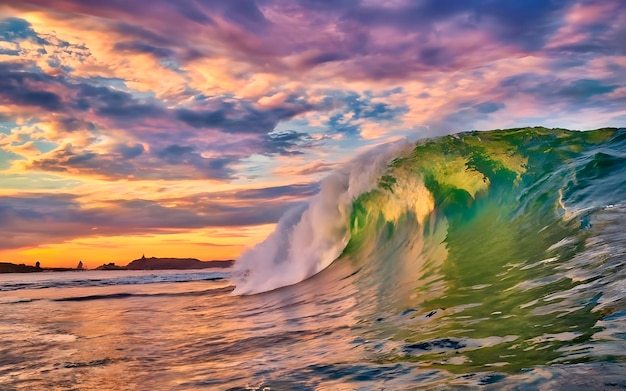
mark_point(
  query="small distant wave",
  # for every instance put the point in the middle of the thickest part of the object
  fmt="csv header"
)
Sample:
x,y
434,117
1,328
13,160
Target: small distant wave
x,y
126,295
94,280
16,300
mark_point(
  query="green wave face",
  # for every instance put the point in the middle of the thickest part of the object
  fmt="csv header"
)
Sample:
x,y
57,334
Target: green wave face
x,y
499,246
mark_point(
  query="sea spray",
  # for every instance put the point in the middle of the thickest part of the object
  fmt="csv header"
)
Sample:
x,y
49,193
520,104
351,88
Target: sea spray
x,y
309,238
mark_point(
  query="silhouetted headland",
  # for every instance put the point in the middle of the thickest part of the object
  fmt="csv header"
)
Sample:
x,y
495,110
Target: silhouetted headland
x,y
6,267
154,263
142,263
110,266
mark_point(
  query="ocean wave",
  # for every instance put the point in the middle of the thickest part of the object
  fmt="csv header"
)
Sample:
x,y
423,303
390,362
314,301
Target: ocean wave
x,y
527,177
307,239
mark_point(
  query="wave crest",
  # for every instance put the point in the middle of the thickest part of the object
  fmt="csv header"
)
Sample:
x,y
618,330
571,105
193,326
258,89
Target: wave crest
x,y
309,238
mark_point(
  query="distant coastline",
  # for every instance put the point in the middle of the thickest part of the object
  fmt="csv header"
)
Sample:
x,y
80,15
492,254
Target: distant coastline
x,y
143,263
6,267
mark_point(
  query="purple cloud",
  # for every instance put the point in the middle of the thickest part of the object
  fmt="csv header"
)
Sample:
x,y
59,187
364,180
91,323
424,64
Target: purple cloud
x,y
67,217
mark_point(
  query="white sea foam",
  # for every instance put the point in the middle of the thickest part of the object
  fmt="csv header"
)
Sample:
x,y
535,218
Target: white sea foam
x,y
309,238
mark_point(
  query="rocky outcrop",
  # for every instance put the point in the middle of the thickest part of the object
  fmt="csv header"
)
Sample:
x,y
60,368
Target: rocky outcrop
x,y
154,263
6,267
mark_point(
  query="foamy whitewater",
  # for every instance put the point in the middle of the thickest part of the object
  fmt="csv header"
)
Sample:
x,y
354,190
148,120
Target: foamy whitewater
x,y
309,238
481,260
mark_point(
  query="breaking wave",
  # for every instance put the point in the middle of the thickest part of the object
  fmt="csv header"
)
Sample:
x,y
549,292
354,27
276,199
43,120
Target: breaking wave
x,y
401,198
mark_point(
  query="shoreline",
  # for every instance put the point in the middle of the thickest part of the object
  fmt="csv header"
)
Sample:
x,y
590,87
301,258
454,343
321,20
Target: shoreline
x,y
151,264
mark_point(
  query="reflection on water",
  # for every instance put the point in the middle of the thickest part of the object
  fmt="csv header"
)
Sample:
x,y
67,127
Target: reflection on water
x,y
151,340
545,312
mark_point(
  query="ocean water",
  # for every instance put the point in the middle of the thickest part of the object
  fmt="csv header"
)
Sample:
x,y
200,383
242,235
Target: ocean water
x,y
491,260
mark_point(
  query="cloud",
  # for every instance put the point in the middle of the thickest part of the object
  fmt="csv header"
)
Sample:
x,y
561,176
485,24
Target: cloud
x,y
296,190
553,90
88,109
245,13
585,88
26,89
591,27
468,112
130,151
28,220
16,29
6,157
354,110
213,168
527,24
488,107
317,168
240,116
114,104
286,142
131,162
369,39
23,86
131,47
194,12
22,218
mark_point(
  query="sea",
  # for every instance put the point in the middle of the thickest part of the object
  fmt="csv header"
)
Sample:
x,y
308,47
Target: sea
x,y
481,260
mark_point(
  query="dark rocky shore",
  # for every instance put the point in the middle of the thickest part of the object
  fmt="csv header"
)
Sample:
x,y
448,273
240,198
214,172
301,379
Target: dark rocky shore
x,y
154,263
142,263
6,267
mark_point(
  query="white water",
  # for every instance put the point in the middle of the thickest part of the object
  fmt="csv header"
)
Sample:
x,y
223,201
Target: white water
x,y
309,238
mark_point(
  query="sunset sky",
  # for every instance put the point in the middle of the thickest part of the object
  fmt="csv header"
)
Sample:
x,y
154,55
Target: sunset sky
x,y
186,128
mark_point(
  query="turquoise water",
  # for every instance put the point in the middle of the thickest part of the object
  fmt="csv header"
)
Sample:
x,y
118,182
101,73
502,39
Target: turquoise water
x,y
518,262
483,260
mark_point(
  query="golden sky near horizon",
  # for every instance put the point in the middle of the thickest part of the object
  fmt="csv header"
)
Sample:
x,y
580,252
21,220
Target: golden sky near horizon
x,y
186,129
